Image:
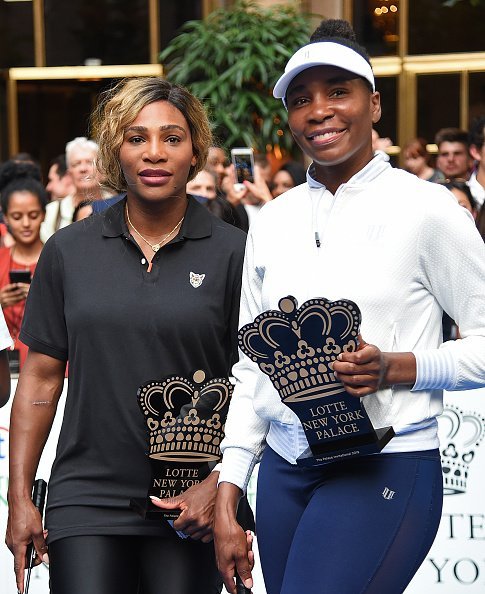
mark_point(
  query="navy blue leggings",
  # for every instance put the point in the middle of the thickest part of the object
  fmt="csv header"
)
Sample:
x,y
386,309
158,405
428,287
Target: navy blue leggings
x,y
360,526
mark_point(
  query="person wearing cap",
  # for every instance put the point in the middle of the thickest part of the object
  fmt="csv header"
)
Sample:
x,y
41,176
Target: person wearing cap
x,y
401,249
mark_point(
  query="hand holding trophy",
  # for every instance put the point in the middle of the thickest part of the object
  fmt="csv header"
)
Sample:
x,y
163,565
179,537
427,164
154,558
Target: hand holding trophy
x,y
185,422
296,348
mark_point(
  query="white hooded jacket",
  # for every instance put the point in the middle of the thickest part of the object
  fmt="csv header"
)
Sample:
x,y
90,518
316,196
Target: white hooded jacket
x,y
403,250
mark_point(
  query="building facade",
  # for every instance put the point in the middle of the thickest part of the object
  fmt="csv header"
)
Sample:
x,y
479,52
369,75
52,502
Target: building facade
x,y
56,56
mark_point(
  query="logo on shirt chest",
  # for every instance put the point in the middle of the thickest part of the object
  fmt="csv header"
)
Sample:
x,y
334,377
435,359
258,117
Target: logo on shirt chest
x,y
196,279
376,232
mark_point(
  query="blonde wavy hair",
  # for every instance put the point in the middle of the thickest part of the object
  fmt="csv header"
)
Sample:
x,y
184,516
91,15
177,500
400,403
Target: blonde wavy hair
x,y
119,106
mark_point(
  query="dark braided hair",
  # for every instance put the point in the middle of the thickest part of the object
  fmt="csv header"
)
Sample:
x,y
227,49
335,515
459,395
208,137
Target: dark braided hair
x,y
21,176
340,31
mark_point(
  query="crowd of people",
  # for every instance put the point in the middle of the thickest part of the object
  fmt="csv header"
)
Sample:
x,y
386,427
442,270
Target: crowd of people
x,y
171,257
75,190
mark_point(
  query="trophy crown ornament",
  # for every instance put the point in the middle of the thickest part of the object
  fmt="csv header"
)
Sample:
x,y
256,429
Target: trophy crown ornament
x,y
296,346
461,434
185,419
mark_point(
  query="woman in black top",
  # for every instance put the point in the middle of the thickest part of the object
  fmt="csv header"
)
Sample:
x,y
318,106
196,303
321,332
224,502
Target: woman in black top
x,y
147,289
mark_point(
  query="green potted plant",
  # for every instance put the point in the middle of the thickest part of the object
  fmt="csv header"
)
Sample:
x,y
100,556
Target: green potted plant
x,y
231,61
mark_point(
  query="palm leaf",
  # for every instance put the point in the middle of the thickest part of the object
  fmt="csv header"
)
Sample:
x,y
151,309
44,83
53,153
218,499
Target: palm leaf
x,y
231,60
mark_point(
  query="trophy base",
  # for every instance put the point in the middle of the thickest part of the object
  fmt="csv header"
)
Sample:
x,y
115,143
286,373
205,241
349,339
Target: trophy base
x,y
372,444
148,511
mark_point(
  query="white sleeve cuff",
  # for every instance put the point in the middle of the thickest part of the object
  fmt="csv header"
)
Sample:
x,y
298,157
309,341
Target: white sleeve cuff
x,y
435,369
237,467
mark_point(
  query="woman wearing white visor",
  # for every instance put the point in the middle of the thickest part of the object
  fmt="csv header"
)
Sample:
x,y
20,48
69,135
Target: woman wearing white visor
x,y
404,251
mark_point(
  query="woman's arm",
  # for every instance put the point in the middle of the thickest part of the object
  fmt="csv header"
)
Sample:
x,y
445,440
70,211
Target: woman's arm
x,y
233,550
452,270
33,410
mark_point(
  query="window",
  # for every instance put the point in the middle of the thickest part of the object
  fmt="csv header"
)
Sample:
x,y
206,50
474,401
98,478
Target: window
x,y
108,31
376,23
174,14
3,121
438,29
16,35
476,94
54,112
438,103
387,87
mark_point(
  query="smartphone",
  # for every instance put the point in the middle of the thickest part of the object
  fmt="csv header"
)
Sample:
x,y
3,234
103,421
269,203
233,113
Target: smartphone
x,y
20,276
38,499
243,160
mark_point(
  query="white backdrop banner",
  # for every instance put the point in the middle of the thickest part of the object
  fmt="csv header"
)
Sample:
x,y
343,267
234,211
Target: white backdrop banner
x,y
456,562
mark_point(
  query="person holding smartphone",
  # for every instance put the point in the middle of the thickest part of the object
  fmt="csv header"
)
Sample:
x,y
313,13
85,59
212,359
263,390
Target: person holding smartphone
x,y
403,250
23,200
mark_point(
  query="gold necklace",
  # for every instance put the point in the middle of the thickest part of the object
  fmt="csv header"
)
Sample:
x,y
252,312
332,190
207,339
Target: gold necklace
x,y
155,246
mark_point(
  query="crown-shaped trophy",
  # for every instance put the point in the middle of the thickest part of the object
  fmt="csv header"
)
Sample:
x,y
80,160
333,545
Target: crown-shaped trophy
x,y
460,434
185,423
296,347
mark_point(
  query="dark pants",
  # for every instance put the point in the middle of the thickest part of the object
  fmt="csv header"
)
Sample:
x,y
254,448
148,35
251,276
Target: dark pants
x,y
132,565
359,526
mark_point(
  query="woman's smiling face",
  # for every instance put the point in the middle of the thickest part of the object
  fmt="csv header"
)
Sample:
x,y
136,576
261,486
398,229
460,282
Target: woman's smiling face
x,y
156,154
330,113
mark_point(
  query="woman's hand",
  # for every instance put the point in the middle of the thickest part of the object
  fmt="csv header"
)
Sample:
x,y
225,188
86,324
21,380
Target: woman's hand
x,y
233,546
197,508
234,194
362,371
24,527
368,369
259,189
24,287
13,293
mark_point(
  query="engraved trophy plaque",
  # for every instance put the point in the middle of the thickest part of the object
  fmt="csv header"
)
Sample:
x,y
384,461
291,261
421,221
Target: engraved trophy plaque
x,y
185,422
296,348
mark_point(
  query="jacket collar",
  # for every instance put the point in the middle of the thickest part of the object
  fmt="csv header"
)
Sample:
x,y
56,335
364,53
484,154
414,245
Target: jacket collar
x,y
197,221
374,167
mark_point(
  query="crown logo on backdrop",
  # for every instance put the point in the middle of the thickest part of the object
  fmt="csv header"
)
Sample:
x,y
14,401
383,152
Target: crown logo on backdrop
x,y
460,433
185,419
296,347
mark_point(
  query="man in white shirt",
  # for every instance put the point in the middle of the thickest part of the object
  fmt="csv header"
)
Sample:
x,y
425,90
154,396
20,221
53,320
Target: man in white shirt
x,y
80,158
477,151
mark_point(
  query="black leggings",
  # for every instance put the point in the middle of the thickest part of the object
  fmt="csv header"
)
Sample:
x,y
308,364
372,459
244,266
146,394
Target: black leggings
x,y
132,565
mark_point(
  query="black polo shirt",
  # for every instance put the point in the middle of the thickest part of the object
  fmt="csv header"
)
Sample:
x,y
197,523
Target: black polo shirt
x,y
92,302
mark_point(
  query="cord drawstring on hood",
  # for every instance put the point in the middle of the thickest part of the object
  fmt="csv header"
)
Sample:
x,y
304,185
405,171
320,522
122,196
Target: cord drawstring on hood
x,y
314,222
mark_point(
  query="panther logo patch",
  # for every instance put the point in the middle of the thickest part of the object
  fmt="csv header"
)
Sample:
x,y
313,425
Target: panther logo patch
x,y
196,279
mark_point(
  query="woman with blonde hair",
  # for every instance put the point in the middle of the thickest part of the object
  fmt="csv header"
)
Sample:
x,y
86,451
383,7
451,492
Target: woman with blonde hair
x,y
114,294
